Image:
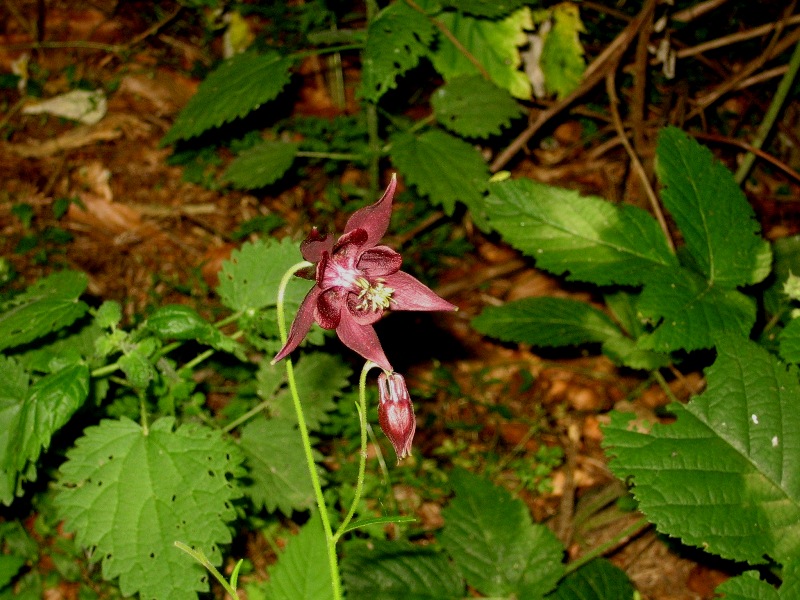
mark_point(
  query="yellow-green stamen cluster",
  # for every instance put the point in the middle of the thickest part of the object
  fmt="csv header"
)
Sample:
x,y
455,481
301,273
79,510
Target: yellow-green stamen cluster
x,y
373,296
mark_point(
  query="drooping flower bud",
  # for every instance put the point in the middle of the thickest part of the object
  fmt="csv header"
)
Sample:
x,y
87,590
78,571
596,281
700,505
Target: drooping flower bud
x,y
396,413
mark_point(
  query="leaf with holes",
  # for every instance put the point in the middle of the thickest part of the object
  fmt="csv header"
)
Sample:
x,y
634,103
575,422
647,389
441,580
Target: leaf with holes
x,y
473,107
130,494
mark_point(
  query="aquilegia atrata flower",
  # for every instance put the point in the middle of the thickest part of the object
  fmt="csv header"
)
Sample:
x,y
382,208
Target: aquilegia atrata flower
x,y
396,413
356,282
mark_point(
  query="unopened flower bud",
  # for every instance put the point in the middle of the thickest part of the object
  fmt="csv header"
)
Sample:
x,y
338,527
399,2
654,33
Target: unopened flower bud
x,y
396,413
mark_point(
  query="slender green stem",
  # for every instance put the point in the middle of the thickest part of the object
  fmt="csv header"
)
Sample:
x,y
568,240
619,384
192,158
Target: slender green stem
x,y
333,562
637,526
362,462
201,558
664,386
246,416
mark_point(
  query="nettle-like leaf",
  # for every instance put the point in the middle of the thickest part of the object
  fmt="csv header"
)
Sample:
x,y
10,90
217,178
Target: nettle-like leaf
x,y
249,280
238,86
130,494
587,238
749,585
441,166
30,415
789,340
261,165
717,223
396,39
596,580
562,53
277,462
473,107
48,305
398,570
725,475
493,43
491,538
68,346
489,9
179,322
301,572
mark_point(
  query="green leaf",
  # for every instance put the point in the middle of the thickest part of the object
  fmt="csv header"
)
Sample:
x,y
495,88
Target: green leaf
x,y
749,586
321,378
441,166
109,314
398,570
717,223
490,536
179,322
29,416
48,305
596,580
494,44
626,352
723,476
489,9
546,322
68,346
473,107
10,564
277,463
396,39
249,280
588,238
291,578
789,340
238,86
260,165
786,253
690,314
130,494
137,367
562,53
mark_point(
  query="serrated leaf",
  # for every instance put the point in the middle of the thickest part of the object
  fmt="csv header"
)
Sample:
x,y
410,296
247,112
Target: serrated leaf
x,y
625,352
138,369
399,570
717,223
562,53
749,585
396,39
260,165
490,536
48,305
724,476
546,322
130,494
68,346
690,314
473,107
789,340
249,280
232,90
489,9
291,578
441,166
30,416
277,462
586,237
109,314
179,322
321,378
494,44
596,580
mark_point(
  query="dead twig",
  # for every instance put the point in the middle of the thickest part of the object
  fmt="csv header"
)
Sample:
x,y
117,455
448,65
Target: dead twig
x,y
698,10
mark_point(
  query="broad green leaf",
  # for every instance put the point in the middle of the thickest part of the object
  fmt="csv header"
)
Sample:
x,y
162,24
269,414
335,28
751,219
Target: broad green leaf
x,y
546,322
30,416
321,379
596,580
690,314
493,43
129,494
626,352
586,237
441,166
724,476
179,322
109,314
396,39
749,586
10,564
238,86
789,340
490,536
138,369
398,571
490,9
261,165
717,223
68,346
301,572
473,107
48,305
562,53
277,464
249,280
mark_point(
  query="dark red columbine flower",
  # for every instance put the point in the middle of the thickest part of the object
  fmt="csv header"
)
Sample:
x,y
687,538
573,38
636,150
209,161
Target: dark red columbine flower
x,y
396,413
356,281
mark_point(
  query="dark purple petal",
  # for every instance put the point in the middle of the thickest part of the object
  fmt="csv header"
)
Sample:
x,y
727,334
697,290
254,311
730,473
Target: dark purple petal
x,y
379,261
349,246
362,339
362,316
374,219
315,244
410,294
396,413
329,308
301,324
